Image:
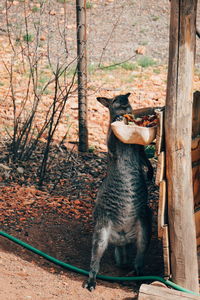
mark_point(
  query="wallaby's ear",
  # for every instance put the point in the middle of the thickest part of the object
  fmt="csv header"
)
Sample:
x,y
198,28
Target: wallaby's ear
x,y
127,95
104,101
124,99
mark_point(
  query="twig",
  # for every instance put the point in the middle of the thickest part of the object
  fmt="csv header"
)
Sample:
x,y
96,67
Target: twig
x,y
117,64
110,36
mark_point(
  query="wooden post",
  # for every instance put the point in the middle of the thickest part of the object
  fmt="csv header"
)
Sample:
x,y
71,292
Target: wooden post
x,y
82,73
178,129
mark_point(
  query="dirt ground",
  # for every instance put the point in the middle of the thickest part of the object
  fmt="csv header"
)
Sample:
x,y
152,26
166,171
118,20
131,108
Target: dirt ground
x,y
58,218
60,224
26,276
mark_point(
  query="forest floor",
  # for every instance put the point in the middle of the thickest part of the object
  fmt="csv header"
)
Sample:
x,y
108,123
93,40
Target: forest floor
x,y
57,219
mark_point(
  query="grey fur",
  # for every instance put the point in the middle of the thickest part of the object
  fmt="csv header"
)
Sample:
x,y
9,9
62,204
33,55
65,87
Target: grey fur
x,y
121,213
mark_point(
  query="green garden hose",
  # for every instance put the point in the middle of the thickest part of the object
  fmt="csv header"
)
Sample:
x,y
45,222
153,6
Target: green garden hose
x,y
83,272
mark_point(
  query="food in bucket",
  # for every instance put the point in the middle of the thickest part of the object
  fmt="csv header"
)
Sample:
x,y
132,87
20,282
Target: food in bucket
x,y
143,121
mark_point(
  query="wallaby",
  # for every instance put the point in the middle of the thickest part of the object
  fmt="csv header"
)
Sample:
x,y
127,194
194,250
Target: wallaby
x,y
121,213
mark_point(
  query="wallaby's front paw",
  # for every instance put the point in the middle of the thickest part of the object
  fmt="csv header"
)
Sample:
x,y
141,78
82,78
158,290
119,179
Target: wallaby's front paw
x,y
90,285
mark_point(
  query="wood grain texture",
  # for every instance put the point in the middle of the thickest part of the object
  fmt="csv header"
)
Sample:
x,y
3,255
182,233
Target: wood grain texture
x,y
196,170
197,222
178,130
196,185
196,114
160,172
162,208
151,292
166,252
196,161
196,150
160,131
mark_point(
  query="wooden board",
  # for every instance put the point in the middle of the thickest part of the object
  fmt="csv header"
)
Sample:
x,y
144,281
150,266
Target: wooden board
x,y
196,149
196,114
152,292
196,164
162,208
196,186
166,252
196,171
163,231
160,172
197,222
160,131
198,258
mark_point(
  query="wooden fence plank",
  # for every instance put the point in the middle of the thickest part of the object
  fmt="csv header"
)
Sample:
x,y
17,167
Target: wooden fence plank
x,y
162,208
196,114
196,150
160,172
166,252
160,131
197,222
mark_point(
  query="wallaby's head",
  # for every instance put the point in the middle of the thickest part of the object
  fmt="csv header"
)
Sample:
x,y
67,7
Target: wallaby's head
x,y
118,106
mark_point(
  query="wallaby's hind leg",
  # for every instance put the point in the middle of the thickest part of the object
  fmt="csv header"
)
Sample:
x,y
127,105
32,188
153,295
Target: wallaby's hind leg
x,y
142,241
99,245
121,256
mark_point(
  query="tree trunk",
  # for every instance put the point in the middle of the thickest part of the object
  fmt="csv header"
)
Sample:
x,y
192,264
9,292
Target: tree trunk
x,y
178,127
82,73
